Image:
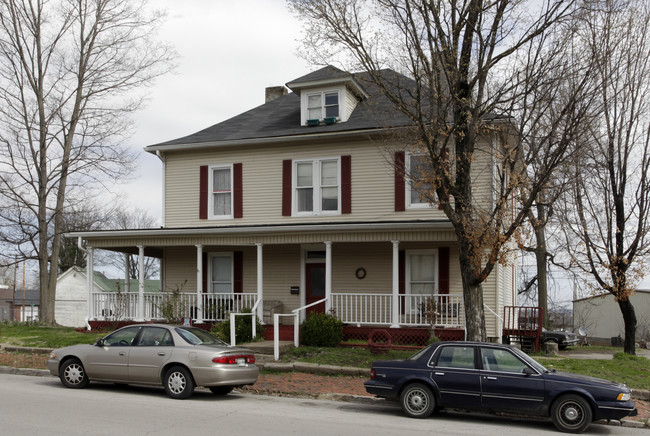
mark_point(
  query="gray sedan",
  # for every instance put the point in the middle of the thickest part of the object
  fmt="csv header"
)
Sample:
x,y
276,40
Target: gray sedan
x,y
177,357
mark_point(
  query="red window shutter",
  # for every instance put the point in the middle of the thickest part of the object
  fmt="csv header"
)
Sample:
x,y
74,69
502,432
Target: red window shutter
x,y
203,192
346,184
443,270
237,191
286,187
400,187
238,270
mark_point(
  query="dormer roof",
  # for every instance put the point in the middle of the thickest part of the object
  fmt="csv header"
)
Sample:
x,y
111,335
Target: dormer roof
x,y
326,76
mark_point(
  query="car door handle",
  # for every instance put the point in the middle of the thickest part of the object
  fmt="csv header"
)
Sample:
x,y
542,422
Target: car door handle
x,y
491,378
122,353
439,373
161,353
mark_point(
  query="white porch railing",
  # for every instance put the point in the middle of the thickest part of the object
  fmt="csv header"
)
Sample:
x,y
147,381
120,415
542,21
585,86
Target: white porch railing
x,y
124,305
352,308
442,310
363,308
414,310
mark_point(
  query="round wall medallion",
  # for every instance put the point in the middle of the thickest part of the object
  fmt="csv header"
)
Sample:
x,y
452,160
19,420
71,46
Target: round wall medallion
x,y
360,273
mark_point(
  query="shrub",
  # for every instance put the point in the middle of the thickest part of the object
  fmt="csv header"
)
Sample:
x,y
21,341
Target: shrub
x,y
321,330
243,328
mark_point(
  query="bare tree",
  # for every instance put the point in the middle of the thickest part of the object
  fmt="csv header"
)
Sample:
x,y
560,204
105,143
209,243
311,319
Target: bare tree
x,y
607,217
69,75
133,219
473,66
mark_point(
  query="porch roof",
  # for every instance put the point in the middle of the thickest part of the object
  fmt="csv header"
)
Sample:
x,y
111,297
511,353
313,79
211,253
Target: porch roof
x,y
127,240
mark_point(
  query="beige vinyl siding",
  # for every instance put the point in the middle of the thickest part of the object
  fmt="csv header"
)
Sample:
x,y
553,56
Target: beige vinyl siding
x,y
372,184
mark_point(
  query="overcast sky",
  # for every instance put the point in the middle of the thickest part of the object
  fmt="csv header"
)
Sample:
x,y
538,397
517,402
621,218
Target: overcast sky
x,y
229,52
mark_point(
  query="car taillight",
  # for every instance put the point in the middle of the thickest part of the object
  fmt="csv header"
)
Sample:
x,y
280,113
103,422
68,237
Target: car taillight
x,y
373,374
235,359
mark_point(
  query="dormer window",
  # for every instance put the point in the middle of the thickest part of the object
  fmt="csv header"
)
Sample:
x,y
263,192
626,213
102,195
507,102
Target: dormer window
x,y
323,105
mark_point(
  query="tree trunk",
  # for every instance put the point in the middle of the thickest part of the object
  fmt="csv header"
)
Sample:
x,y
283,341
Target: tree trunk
x,y
629,317
540,258
473,298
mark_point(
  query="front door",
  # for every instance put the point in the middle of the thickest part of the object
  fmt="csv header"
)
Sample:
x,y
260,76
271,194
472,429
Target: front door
x,y
315,286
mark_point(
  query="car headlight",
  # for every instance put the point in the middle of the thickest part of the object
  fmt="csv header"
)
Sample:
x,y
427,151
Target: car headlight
x,y
52,355
623,397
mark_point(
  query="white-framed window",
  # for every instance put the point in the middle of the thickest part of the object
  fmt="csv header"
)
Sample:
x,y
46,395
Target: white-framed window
x,y
221,273
220,183
418,190
317,187
421,274
323,104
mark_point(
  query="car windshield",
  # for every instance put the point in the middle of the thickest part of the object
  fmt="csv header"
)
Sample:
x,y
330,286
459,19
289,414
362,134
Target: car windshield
x,y
197,336
530,361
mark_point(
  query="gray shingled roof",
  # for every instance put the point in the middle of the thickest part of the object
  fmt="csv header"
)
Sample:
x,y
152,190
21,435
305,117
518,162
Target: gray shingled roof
x,y
281,117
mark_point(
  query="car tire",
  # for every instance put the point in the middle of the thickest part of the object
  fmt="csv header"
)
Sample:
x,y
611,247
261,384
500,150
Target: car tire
x,y
571,413
178,383
417,401
221,390
73,375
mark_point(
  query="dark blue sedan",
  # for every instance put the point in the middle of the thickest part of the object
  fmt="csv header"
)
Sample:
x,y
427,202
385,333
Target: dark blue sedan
x,y
496,378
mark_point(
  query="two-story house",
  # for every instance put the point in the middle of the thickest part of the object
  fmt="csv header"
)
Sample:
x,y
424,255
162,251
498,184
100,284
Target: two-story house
x,y
306,203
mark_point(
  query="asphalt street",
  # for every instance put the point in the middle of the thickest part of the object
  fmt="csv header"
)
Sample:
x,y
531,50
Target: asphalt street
x,y
42,406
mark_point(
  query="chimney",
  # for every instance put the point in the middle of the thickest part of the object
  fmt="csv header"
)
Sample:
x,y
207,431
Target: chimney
x,y
273,92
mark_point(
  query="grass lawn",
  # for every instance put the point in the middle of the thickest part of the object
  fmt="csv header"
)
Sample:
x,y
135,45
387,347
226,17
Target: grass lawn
x,y
32,335
634,371
355,357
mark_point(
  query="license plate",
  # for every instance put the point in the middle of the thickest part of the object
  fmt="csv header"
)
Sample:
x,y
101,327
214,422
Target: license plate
x,y
241,361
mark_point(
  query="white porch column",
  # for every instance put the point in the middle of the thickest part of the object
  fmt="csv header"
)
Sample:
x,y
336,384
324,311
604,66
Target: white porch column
x,y
199,284
395,312
90,272
127,273
328,276
260,282
141,283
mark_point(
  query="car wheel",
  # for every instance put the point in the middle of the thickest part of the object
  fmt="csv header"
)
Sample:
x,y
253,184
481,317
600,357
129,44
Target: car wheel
x,y
571,413
417,401
179,383
73,375
221,390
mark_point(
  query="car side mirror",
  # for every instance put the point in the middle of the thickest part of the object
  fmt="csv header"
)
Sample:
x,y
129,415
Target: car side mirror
x,y
100,342
528,371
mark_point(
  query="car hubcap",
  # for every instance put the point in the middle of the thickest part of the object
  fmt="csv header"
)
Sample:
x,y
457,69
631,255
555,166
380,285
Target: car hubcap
x,y
417,401
572,414
176,383
74,374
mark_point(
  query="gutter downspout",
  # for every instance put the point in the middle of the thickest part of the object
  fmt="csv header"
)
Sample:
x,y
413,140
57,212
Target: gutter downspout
x,y
90,281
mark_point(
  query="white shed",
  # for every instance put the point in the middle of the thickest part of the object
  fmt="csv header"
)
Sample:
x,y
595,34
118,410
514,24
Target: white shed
x,y
70,306
602,317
